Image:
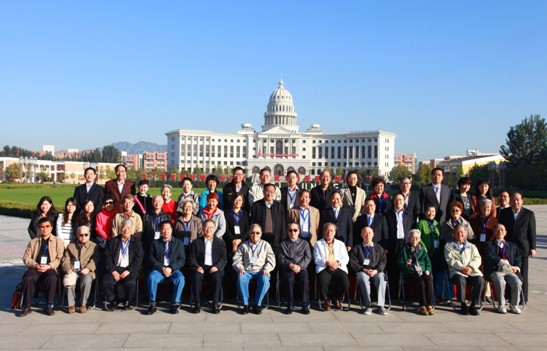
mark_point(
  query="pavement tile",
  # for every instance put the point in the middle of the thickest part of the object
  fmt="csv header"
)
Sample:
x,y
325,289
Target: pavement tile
x,y
271,327
12,342
466,339
525,340
307,339
212,327
151,327
194,341
400,340
79,341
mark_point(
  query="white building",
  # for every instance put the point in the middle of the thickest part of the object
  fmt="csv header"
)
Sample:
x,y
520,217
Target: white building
x,y
280,146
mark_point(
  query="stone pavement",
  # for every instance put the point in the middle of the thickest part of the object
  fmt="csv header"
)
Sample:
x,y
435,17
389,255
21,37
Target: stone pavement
x,y
399,330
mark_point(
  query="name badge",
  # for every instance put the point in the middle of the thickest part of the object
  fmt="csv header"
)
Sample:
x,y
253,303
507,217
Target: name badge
x,y
156,235
483,237
366,261
186,241
253,259
76,265
43,259
436,244
166,261
237,231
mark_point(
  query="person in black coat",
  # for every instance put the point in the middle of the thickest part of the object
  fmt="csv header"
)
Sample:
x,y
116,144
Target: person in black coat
x,y
89,190
320,195
271,216
374,220
207,264
236,186
341,217
436,194
412,199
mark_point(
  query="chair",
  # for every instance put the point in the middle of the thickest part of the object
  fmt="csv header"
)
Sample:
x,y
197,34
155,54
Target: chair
x,y
507,294
467,292
404,291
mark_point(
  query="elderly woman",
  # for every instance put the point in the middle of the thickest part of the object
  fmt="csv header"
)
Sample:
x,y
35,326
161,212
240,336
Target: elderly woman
x,y
169,206
353,197
187,193
416,267
463,262
188,227
501,265
456,218
214,213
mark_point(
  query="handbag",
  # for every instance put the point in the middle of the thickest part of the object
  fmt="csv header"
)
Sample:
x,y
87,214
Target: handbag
x,y
17,297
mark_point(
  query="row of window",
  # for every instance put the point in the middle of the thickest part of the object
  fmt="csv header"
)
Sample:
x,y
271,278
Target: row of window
x,y
345,152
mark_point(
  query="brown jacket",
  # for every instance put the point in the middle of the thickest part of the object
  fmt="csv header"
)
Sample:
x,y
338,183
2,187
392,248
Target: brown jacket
x,y
294,217
89,256
56,247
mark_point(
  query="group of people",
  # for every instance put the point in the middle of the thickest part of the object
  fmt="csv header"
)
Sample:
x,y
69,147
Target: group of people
x,y
262,231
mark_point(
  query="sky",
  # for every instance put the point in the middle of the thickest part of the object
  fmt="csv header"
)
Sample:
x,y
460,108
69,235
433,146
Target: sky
x,y
444,76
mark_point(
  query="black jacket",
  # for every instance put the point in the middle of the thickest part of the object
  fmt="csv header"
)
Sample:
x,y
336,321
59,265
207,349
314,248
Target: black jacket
x,y
112,253
177,256
197,253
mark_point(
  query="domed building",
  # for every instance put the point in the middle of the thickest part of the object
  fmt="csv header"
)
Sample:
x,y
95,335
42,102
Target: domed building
x,y
280,146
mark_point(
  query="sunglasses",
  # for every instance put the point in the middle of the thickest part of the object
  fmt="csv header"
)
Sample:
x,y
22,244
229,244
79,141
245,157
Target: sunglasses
x,y
293,230
108,202
86,234
256,233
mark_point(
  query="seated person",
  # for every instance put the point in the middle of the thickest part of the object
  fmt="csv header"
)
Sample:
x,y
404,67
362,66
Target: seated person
x,y
80,262
501,265
152,222
207,261
463,262
123,260
254,260
166,258
331,258
294,257
368,261
42,257
416,266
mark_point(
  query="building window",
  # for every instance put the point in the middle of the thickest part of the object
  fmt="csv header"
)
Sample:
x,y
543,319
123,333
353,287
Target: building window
x,y
339,151
320,152
313,152
375,151
327,152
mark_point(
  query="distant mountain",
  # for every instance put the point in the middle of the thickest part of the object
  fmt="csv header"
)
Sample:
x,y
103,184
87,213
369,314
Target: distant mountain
x,y
139,148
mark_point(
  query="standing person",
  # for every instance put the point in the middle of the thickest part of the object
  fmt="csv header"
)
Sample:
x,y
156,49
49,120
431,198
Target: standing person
x,y
435,194
307,217
483,190
187,193
520,223
66,222
412,199
104,220
289,193
257,190
270,215
120,186
212,183
212,212
207,261
143,200
44,208
42,258
152,224
127,213
371,218
320,195
87,217
504,201
462,195
341,217
80,263
236,186
89,190
169,206
353,196
380,197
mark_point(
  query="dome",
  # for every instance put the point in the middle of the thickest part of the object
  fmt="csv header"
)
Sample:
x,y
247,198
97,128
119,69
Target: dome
x,y
280,94
280,110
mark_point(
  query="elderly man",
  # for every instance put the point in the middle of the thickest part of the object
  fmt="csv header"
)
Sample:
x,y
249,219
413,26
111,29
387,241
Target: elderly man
x,y
152,222
331,258
166,258
123,260
436,194
271,216
501,265
90,190
307,217
120,186
42,257
257,191
368,261
320,195
79,263
520,223
127,213
207,261
254,260
463,262
294,257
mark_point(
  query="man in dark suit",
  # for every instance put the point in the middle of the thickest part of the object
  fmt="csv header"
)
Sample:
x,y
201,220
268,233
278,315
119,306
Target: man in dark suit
x,y
320,194
436,194
290,194
89,190
341,217
120,186
271,216
520,223
207,261
373,220
412,199
231,189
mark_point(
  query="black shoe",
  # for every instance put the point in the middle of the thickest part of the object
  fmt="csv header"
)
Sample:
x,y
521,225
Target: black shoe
x,y
25,312
197,309
109,306
49,311
257,310
174,308
464,310
305,309
289,309
126,305
151,310
245,309
216,310
474,311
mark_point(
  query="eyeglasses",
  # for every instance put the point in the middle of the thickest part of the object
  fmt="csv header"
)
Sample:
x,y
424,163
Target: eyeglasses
x,y
84,234
108,202
256,233
292,230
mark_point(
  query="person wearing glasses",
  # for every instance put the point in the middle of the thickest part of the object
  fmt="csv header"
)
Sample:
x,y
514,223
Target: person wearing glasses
x,y
79,263
254,260
294,257
42,258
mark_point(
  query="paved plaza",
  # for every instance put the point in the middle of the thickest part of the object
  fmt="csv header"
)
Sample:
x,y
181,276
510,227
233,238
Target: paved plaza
x,y
273,330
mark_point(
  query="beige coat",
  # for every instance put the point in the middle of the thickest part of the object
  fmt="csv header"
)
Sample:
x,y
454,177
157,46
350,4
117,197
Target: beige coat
x,y
294,217
56,248
89,256
457,259
347,201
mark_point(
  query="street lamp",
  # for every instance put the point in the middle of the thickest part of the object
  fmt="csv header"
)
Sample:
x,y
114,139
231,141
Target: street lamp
x,y
491,170
502,167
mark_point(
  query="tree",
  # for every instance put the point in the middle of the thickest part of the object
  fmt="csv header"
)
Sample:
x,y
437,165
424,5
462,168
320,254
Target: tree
x,y
477,173
13,172
526,143
111,154
423,176
398,172
451,178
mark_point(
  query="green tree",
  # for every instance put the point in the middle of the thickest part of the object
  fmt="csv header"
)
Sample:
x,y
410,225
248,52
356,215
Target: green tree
x,y
399,172
111,154
451,178
477,173
13,172
526,143
423,176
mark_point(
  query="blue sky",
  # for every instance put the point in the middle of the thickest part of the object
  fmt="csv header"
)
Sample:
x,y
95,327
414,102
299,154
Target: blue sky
x,y
442,75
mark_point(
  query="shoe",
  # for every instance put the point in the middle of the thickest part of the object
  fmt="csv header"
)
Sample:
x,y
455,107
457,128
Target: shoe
x,y
126,305
337,305
423,311
109,306
83,309
71,309
327,305
196,309
151,310
49,311
305,309
474,311
488,299
382,310
465,309
216,310
289,309
174,308
25,312
515,309
502,310
257,310
368,310
430,310
245,309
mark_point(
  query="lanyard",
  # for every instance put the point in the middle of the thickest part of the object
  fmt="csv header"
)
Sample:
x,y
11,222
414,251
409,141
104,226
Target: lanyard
x,y
237,216
167,249
255,248
125,247
484,221
186,228
291,198
367,250
305,215
157,221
